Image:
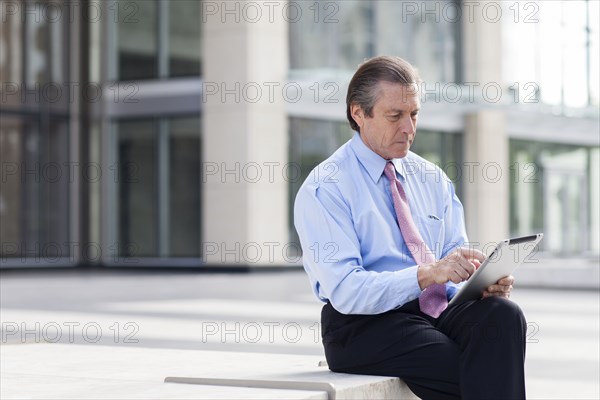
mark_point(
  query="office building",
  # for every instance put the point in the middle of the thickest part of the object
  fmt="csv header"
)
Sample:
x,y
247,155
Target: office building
x,y
176,133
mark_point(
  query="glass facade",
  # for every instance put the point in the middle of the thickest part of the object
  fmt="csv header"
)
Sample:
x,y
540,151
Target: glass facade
x,y
34,135
185,38
137,38
339,35
157,39
34,195
554,46
428,39
158,190
138,188
332,35
156,154
153,209
554,189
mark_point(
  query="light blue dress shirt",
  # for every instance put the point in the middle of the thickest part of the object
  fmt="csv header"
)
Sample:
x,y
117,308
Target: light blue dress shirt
x,y
353,250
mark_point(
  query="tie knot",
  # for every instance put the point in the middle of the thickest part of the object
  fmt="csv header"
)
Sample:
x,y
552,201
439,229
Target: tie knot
x,y
390,171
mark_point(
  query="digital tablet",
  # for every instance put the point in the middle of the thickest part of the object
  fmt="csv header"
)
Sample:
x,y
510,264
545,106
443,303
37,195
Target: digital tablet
x,y
505,258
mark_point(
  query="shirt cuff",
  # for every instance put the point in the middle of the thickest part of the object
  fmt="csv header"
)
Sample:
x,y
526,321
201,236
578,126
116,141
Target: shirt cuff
x,y
409,288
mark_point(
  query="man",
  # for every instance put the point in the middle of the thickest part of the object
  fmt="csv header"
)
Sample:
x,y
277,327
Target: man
x,y
383,238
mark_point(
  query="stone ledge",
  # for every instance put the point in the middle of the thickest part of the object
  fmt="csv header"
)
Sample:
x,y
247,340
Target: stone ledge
x,y
127,372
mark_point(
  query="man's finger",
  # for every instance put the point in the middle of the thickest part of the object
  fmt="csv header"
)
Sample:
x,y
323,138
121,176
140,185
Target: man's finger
x,y
507,280
497,294
499,288
467,265
469,252
462,273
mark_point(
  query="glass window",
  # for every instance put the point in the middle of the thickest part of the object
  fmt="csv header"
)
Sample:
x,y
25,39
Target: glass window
x,y
11,145
334,34
427,39
594,51
11,49
137,40
342,34
158,39
552,191
45,42
159,187
184,184
554,45
34,195
184,38
137,188
34,56
443,149
574,55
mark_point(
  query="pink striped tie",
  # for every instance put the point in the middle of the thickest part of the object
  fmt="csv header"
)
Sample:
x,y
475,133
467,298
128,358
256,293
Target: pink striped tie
x,y
433,300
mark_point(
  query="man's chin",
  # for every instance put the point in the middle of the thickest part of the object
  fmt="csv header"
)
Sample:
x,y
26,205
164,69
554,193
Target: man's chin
x,y
400,154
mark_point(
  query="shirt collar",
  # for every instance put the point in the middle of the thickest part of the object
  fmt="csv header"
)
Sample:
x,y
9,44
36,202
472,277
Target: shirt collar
x,y
373,162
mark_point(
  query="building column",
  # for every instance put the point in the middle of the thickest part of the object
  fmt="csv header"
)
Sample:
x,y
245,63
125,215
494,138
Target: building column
x,y
486,162
245,135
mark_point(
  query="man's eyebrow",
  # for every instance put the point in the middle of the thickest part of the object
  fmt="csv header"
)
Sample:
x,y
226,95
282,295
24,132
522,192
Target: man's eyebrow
x,y
397,111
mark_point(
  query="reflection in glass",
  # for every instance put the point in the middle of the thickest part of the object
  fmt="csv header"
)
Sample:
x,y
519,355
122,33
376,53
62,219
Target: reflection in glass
x,y
342,34
331,35
137,187
553,191
137,40
427,40
11,49
159,187
444,150
184,38
11,144
559,52
184,187
594,51
565,197
34,194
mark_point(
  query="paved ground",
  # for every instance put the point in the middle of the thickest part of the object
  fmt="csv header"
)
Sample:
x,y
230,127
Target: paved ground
x,y
265,313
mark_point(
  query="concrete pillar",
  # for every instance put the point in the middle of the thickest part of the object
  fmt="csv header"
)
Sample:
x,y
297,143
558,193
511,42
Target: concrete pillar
x,y
486,191
486,186
245,135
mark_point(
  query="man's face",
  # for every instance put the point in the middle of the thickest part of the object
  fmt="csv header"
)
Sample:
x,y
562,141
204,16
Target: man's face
x,y
391,130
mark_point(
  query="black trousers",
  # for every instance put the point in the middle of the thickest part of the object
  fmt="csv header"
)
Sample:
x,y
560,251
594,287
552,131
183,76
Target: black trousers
x,y
474,350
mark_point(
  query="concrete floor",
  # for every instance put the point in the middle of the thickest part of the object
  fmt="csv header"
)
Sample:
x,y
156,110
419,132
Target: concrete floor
x,y
262,312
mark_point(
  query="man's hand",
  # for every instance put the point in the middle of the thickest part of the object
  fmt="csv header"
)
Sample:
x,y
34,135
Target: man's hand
x,y
456,267
501,288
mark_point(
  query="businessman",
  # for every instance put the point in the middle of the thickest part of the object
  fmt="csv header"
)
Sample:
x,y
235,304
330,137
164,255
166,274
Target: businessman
x,y
385,248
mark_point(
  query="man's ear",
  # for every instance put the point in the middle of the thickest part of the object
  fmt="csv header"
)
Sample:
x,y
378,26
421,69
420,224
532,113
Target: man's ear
x,y
357,114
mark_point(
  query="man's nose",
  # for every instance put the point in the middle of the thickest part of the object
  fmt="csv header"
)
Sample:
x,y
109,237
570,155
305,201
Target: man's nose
x,y
407,126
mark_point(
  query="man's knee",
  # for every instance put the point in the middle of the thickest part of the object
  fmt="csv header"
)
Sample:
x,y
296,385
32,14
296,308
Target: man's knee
x,y
501,308
504,315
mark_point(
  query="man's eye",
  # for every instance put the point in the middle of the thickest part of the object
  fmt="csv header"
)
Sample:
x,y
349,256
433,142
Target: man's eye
x,y
414,115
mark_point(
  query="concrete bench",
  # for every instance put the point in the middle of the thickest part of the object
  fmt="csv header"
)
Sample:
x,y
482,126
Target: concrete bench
x,y
124,372
318,382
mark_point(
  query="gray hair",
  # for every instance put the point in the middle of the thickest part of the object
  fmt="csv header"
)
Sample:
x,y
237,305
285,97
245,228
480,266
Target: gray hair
x,y
364,86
